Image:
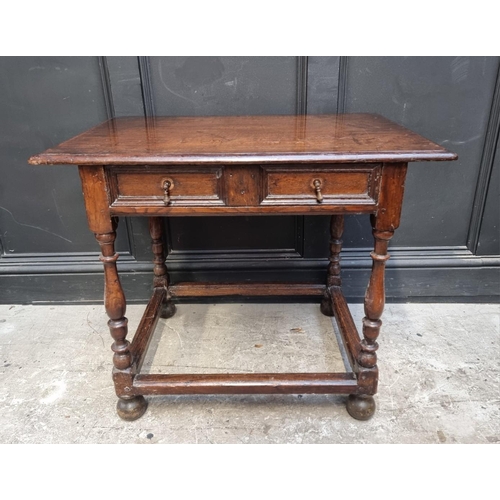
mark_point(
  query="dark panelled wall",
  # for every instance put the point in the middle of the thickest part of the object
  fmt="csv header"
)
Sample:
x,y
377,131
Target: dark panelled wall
x,y
448,245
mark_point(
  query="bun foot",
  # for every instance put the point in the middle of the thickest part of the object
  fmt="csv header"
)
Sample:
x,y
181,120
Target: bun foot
x,y
326,306
361,407
168,310
131,408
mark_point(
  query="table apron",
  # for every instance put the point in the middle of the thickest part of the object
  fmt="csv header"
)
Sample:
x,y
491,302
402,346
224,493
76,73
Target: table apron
x,y
144,210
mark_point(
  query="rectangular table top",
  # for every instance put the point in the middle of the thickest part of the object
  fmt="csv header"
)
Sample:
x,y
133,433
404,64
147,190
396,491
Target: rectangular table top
x,y
244,139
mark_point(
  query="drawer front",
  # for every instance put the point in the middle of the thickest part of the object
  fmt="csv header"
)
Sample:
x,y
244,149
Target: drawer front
x,y
166,186
320,185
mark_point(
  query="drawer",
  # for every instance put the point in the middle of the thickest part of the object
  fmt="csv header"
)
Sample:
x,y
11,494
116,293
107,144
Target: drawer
x,y
335,184
166,186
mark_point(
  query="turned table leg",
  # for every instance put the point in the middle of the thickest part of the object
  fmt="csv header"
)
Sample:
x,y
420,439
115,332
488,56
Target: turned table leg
x,y
103,225
362,405
333,271
128,407
161,278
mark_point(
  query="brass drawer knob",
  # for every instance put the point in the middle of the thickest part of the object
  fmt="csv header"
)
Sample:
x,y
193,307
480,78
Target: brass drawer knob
x,y
317,187
167,186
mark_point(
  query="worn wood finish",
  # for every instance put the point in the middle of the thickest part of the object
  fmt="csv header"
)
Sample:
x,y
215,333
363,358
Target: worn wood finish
x,y
333,272
228,188
161,278
188,186
384,222
129,407
160,269
96,198
149,320
159,209
242,185
346,324
245,165
103,225
251,383
114,302
355,138
246,289
360,407
293,185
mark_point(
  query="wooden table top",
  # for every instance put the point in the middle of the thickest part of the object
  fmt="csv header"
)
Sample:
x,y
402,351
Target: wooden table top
x,y
244,139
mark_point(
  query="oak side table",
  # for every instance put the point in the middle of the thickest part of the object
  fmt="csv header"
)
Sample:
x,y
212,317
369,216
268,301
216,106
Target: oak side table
x,y
244,165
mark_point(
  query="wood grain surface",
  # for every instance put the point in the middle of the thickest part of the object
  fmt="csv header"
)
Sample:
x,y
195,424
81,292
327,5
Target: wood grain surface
x,y
246,383
247,139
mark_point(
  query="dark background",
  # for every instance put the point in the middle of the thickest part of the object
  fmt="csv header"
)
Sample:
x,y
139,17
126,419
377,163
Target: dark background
x,y
447,247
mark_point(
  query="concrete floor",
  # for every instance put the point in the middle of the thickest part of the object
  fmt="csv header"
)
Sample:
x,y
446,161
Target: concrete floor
x,y
439,376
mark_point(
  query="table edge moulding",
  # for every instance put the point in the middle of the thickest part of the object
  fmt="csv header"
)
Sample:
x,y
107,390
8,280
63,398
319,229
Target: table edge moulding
x,y
244,165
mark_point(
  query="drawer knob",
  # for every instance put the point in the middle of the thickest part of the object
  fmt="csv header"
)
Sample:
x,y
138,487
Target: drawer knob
x,y
167,185
317,188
